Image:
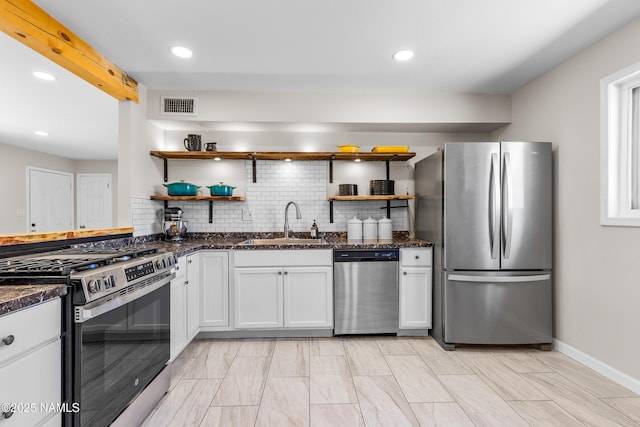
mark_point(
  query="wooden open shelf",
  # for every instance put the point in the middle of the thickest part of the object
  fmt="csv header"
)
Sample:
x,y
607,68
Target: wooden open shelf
x,y
270,155
210,198
385,198
388,197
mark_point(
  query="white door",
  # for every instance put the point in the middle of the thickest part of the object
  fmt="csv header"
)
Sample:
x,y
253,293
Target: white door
x,y
214,288
193,295
258,297
415,297
94,201
50,200
308,297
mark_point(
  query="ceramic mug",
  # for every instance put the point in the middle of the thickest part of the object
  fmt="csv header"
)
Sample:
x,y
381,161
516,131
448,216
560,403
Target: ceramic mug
x,y
193,142
210,146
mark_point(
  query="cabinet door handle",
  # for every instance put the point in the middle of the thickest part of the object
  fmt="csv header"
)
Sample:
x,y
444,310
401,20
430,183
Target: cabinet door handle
x,y
286,272
177,267
417,256
8,340
404,273
280,272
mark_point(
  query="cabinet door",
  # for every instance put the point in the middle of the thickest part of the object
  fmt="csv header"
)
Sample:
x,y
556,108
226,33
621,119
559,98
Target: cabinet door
x,y
178,317
30,381
415,297
308,297
214,288
193,297
257,298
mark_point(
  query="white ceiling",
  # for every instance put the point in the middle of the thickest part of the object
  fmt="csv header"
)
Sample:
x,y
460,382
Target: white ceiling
x,y
488,46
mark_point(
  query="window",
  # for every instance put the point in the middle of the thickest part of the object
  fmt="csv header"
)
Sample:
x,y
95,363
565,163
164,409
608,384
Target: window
x,y
620,148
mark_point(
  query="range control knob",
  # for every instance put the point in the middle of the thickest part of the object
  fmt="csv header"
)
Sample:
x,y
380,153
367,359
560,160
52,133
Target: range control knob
x,y
95,286
110,281
160,263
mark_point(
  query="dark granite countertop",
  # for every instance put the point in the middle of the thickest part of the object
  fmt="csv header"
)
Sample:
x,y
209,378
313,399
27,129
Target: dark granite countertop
x,y
333,241
17,297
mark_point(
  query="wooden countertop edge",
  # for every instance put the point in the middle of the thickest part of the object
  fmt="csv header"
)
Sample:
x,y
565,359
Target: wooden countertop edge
x,y
17,239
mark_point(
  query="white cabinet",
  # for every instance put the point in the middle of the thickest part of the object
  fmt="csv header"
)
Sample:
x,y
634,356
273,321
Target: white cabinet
x,y
214,289
258,298
179,309
283,288
30,364
192,283
184,304
415,288
308,297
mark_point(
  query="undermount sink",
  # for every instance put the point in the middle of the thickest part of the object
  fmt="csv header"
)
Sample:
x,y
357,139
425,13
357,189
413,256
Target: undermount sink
x,y
283,241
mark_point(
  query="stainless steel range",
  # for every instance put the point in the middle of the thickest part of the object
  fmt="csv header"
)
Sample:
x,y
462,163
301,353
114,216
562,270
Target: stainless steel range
x,y
115,327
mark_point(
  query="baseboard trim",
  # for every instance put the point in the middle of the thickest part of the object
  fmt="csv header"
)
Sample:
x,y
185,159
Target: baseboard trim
x,y
613,374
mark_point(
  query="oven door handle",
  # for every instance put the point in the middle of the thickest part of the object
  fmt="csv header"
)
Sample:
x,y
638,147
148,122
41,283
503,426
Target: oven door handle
x,y
96,308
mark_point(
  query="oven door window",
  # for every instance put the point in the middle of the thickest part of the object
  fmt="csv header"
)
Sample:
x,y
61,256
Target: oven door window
x,y
121,351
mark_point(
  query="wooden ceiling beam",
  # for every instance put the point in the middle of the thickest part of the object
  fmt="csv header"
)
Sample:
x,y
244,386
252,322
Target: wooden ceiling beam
x,y
30,25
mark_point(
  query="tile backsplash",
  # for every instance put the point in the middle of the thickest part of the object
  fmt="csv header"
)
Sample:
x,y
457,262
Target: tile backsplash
x,y
278,182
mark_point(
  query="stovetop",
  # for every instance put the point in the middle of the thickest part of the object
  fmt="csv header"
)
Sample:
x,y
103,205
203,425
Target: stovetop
x,y
65,262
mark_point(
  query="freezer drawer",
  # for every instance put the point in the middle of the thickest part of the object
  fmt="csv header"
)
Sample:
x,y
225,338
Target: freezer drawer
x,y
497,308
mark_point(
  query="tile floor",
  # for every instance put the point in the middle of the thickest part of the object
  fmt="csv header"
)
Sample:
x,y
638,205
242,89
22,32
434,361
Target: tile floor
x,y
385,381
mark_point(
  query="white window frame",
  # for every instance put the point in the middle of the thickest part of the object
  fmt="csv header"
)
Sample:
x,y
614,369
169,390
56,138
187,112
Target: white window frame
x,y
615,148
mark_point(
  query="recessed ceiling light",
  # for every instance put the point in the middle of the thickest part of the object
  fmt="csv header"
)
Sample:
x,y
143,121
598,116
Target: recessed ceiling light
x,y
43,76
41,133
403,55
181,52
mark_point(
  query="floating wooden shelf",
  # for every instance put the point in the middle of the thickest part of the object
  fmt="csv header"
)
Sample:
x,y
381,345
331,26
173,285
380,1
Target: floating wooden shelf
x,y
210,198
270,155
388,197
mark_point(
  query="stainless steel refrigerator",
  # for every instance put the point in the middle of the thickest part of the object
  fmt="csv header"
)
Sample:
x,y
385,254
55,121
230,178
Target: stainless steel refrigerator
x,y
487,207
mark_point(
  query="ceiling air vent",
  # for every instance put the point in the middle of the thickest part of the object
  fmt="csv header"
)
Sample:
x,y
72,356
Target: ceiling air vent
x,y
178,106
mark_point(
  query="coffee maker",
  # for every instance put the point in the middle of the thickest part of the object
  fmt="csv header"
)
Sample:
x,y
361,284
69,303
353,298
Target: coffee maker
x,y
175,229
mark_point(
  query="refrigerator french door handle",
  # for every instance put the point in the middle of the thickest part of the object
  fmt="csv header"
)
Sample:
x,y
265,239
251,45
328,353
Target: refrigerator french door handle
x,y
498,279
494,204
507,206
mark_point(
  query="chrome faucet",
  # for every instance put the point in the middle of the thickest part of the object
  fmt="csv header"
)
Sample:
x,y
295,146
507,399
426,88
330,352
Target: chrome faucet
x,y
286,218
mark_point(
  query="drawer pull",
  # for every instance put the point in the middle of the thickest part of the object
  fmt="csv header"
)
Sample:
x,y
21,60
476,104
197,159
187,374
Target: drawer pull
x,y
405,273
7,414
8,340
417,256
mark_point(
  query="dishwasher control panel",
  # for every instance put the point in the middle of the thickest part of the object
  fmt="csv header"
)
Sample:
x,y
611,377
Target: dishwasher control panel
x,y
362,255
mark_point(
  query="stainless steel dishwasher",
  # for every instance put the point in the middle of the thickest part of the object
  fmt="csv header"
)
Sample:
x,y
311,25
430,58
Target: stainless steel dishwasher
x,y
366,291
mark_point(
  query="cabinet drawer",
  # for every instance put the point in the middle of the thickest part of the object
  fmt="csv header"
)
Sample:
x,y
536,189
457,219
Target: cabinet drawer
x,y
415,257
29,327
270,258
34,380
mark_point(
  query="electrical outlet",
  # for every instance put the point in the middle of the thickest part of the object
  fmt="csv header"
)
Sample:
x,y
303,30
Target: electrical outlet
x,y
247,214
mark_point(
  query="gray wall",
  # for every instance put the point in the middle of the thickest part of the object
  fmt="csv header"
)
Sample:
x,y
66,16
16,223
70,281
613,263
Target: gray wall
x,y
597,268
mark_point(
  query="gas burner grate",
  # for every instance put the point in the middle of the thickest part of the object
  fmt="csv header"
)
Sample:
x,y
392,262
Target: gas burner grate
x,y
67,261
